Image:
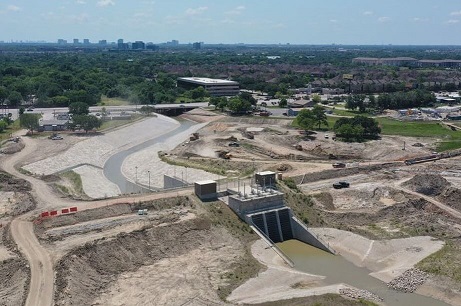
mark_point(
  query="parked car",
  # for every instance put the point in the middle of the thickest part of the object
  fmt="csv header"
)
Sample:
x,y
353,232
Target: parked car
x,y
57,137
234,144
339,165
340,185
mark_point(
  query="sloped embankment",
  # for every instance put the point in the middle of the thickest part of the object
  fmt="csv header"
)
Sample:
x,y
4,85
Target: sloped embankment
x,y
89,271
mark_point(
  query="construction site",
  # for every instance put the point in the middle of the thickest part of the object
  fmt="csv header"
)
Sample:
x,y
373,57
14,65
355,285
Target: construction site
x,y
118,218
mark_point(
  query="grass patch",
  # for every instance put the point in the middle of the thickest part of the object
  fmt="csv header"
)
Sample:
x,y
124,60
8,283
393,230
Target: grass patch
x,y
448,145
303,206
105,101
112,124
75,179
12,128
445,262
191,164
349,113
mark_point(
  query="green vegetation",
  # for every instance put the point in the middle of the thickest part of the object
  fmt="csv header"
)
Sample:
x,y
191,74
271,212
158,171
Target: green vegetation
x,y
357,128
446,262
29,121
349,113
105,101
74,187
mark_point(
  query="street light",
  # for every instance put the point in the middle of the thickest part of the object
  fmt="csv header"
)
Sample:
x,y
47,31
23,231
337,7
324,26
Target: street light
x,y
148,173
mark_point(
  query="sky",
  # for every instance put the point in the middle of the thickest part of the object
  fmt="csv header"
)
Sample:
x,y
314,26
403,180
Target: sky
x,y
348,22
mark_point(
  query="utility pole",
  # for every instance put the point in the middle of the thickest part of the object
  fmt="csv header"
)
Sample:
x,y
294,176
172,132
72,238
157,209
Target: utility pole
x,y
148,173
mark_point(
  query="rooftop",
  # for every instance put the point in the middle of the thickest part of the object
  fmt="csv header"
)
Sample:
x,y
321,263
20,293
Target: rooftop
x,y
208,81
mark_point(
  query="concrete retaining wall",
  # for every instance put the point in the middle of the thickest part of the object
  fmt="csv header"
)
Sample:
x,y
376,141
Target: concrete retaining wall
x,y
302,233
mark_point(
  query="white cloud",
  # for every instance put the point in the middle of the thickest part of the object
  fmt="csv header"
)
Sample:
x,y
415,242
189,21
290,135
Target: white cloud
x,y
80,2
333,21
104,3
80,18
196,11
236,11
453,21
368,13
13,8
418,19
456,13
384,19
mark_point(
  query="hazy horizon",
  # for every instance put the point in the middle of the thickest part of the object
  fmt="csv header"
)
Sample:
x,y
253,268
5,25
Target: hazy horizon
x,y
298,22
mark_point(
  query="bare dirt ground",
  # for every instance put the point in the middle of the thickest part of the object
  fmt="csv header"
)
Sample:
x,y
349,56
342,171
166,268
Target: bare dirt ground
x,y
112,256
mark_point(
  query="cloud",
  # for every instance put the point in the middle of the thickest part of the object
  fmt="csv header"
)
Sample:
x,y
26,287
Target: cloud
x,y
368,13
13,8
455,13
453,21
80,2
333,21
236,11
82,18
384,19
417,19
104,3
196,11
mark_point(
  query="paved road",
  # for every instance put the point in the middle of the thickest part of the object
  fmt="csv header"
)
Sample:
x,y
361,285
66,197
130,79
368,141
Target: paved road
x,y
41,282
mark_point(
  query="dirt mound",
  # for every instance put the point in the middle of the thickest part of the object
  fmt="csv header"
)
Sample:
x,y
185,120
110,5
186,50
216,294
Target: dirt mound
x,y
12,147
87,271
13,287
10,183
451,196
427,184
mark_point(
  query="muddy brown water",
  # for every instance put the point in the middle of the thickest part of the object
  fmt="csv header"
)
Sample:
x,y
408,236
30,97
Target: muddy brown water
x,y
337,269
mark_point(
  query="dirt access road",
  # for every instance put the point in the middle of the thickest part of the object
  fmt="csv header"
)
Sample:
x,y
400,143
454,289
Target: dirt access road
x,y
41,283
42,275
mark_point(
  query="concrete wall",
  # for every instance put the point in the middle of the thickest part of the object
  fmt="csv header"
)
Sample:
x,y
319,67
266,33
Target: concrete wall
x,y
301,232
170,182
243,206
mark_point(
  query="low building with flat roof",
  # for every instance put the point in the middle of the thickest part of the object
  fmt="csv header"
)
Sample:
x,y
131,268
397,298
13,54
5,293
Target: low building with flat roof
x,y
215,87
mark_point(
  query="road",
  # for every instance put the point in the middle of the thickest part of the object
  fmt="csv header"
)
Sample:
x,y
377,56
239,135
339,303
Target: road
x,y
41,267
41,287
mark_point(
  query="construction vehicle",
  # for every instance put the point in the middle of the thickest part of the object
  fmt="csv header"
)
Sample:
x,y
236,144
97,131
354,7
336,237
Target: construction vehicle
x,y
194,136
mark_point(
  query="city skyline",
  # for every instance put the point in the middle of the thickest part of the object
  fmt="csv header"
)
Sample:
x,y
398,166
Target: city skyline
x,y
423,22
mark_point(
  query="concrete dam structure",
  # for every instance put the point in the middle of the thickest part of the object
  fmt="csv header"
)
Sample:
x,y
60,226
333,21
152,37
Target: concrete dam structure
x,y
264,209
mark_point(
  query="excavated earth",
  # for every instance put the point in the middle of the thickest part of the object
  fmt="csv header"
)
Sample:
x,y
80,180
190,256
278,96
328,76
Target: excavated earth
x,y
87,272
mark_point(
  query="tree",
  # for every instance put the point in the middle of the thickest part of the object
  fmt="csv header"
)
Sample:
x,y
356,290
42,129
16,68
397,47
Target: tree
x,y
86,122
356,101
350,132
305,119
246,96
283,102
319,115
316,98
29,121
239,106
21,110
14,98
357,128
3,125
147,110
79,108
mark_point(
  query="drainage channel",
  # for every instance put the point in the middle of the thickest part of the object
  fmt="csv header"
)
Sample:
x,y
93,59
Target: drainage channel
x,y
113,166
337,269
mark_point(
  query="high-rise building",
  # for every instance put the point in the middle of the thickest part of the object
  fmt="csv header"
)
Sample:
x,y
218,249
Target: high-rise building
x,y
86,41
76,42
62,41
103,42
138,45
197,45
121,45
